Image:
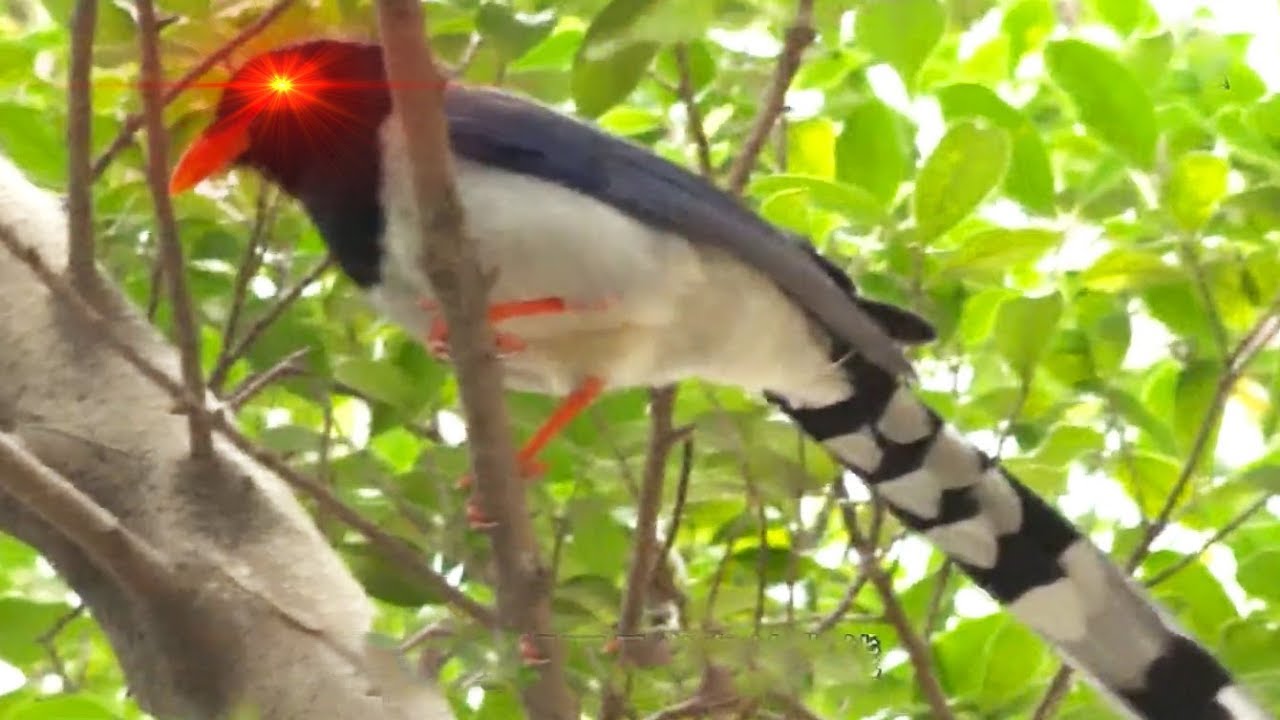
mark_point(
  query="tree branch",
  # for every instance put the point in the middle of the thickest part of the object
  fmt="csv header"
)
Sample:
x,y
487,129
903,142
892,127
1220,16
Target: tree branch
x,y
661,437
184,320
696,130
395,549
799,36
111,547
239,347
249,265
134,122
80,244
449,261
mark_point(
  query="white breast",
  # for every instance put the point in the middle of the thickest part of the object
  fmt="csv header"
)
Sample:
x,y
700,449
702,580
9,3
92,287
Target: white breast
x,y
676,310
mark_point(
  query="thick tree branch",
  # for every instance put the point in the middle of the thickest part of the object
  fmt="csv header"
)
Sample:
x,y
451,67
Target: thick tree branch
x,y
110,546
449,261
134,122
396,550
184,319
248,630
80,243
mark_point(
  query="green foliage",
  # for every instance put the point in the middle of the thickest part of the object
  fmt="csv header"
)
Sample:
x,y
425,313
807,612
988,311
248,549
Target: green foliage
x,y
1086,206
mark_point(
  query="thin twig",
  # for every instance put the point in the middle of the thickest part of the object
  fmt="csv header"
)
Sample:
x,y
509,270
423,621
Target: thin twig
x,y
109,545
134,122
694,114
935,601
468,56
396,550
254,384
1230,527
799,36
1263,329
219,375
846,604
449,262
916,647
184,320
80,244
682,495
1191,259
917,650
644,551
795,710
249,265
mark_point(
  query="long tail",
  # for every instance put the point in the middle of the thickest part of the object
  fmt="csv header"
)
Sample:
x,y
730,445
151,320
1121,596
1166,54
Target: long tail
x,y
1021,551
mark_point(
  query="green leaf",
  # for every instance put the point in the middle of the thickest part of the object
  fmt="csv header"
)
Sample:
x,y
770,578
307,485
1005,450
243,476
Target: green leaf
x,y
61,707
25,621
608,66
1258,573
848,200
1197,385
1193,595
554,53
385,580
1030,177
1014,658
1148,477
811,148
1123,15
1197,185
511,33
998,250
968,163
627,120
1024,327
1027,23
500,703
900,32
978,318
33,141
1068,442
1124,269
1110,101
381,381
873,150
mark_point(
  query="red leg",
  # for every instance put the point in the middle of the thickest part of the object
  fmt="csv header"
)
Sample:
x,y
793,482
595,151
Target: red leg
x,y
438,338
527,459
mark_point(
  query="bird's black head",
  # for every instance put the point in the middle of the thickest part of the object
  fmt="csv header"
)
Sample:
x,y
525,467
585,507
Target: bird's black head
x,y
307,117
294,111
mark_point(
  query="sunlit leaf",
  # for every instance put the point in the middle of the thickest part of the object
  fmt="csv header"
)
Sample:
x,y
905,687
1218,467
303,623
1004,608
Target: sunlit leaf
x,y
965,167
1108,98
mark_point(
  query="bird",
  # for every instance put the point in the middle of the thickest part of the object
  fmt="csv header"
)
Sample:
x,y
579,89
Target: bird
x,y
614,268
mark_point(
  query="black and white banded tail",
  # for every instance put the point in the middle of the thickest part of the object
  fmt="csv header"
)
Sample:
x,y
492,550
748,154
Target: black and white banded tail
x,y
1021,551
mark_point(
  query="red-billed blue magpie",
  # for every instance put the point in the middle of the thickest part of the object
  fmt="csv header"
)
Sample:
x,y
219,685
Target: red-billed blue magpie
x,y
616,268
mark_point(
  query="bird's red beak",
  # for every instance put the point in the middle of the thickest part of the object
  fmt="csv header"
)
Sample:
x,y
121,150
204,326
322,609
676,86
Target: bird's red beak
x,y
212,152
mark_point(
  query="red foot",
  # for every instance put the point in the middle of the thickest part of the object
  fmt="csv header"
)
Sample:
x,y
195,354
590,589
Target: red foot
x,y
438,337
530,654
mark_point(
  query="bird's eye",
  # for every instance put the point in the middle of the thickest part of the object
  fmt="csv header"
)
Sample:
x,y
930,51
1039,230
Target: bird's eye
x,y
281,84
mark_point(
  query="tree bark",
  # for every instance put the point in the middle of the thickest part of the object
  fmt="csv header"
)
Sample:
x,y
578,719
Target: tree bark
x,y
262,617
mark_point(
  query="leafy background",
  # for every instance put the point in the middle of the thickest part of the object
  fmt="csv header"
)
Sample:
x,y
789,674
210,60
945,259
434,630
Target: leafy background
x,y
1084,196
